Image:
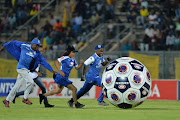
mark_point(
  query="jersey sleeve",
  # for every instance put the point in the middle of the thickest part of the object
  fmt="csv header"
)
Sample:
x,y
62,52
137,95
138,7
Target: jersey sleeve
x,y
75,63
60,59
104,60
90,60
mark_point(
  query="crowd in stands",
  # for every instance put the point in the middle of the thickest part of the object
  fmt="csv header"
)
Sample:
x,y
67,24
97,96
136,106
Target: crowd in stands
x,y
18,12
81,17
160,20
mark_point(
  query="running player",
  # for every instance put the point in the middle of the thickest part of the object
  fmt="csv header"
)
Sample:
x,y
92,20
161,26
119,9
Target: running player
x,y
61,78
35,74
92,76
25,54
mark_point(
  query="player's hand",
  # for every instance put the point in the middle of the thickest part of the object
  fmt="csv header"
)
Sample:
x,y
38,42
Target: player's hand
x,y
54,72
62,73
82,78
82,61
1,49
108,58
39,74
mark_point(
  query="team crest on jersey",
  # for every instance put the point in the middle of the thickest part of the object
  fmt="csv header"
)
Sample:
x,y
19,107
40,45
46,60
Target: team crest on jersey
x,y
62,58
122,68
71,63
30,53
114,97
108,79
132,96
137,79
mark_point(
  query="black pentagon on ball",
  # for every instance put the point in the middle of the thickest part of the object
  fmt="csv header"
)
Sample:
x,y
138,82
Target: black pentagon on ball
x,y
111,65
125,105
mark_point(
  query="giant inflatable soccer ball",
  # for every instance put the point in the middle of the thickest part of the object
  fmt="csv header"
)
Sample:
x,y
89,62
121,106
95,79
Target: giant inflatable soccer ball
x,y
126,82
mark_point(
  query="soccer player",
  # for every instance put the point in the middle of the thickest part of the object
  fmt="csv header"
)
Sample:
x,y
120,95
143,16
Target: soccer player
x,y
35,74
25,54
92,76
61,78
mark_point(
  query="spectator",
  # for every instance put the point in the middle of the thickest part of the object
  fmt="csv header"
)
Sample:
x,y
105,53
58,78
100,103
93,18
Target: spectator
x,y
134,45
55,50
162,40
58,29
143,16
177,42
68,36
5,22
178,26
110,28
32,33
33,12
68,6
170,41
94,20
156,31
12,22
52,20
126,46
145,44
78,19
49,41
1,26
99,6
26,14
48,27
132,14
61,46
110,8
42,34
152,18
21,3
144,3
149,31
20,16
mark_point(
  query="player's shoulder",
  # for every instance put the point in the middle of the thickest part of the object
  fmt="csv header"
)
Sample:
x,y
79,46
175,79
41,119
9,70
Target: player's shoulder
x,y
64,58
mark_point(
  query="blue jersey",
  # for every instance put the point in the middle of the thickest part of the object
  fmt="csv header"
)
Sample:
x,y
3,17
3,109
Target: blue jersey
x,y
67,64
26,57
14,48
95,63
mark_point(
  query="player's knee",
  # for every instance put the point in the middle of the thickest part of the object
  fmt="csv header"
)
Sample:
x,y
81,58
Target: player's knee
x,y
74,89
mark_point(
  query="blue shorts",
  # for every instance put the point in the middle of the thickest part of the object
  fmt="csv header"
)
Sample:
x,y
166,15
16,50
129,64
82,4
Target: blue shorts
x,y
64,81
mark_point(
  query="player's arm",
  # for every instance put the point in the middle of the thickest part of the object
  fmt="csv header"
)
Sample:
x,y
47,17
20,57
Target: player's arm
x,y
2,48
106,62
80,65
58,67
89,61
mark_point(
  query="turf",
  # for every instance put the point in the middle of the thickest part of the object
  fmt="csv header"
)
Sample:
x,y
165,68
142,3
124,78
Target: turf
x,y
149,110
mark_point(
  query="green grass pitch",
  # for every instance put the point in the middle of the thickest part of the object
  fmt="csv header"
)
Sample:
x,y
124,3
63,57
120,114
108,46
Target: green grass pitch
x,y
149,110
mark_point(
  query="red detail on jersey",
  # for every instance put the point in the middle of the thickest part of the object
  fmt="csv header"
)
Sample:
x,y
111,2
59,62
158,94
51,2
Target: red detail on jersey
x,y
62,58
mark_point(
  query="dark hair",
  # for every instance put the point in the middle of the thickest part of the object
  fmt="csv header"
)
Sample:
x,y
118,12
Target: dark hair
x,y
66,53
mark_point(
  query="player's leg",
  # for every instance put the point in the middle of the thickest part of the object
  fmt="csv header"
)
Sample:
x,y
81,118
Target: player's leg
x,y
43,89
86,87
74,90
13,91
29,85
101,97
52,92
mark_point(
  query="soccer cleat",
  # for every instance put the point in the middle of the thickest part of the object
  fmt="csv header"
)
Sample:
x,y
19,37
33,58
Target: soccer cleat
x,y
14,100
6,103
49,105
70,103
79,105
26,101
41,98
103,103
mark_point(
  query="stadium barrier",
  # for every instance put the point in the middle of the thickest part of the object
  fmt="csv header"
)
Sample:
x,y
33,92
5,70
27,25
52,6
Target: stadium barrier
x,y
160,89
